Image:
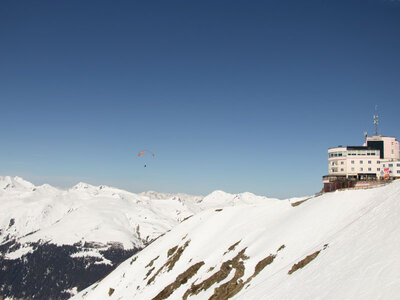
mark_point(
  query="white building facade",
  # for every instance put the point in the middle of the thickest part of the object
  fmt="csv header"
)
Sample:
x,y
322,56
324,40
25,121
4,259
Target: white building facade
x,y
378,158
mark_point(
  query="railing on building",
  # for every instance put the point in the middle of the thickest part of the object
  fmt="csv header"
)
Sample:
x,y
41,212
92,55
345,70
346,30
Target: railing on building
x,y
333,183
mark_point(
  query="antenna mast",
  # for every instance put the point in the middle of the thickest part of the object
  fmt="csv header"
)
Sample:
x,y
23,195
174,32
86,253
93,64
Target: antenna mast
x,y
376,120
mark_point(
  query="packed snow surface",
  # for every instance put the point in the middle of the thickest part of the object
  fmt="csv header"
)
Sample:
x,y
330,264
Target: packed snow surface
x,y
341,245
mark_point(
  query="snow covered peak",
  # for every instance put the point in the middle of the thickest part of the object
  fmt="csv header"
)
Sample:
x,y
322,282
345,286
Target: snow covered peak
x,y
101,190
221,199
16,183
218,194
158,196
83,186
47,189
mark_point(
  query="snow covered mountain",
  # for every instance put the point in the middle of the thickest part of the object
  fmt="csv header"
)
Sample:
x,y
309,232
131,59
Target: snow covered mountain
x,y
83,213
54,242
341,245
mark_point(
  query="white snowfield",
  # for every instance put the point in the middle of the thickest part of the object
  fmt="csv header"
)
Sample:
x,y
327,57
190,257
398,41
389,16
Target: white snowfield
x,y
99,215
341,245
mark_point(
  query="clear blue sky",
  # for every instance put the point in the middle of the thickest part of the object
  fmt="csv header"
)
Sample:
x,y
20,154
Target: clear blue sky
x,y
231,95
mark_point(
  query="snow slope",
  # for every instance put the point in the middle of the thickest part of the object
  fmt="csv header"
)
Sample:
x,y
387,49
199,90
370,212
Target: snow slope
x,y
341,245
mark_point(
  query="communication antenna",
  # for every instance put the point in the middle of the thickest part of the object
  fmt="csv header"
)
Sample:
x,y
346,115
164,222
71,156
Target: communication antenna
x,y
376,120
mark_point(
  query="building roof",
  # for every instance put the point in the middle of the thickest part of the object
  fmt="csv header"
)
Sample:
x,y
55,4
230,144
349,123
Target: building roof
x,y
359,148
355,148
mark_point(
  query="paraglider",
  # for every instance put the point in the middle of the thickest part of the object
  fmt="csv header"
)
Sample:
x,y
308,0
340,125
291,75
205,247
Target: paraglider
x,y
145,154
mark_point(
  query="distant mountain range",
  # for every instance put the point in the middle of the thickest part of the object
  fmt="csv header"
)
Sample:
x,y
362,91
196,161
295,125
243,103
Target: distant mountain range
x,y
56,242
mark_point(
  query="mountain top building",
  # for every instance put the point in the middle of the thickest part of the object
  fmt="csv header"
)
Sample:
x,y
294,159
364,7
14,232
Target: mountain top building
x,y
378,159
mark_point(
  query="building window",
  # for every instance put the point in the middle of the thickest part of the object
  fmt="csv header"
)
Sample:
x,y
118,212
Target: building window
x,y
369,169
378,161
341,170
352,162
369,162
378,169
361,169
342,162
384,165
398,171
352,169
398,165
361,161
390,165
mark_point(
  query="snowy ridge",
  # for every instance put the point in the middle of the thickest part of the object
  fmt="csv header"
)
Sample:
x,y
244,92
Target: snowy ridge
x,y
16,184
96,214
83,213
341,245
156,195
223,199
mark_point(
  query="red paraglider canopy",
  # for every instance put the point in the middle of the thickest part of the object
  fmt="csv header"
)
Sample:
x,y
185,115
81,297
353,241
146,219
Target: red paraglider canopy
x,y
145,151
